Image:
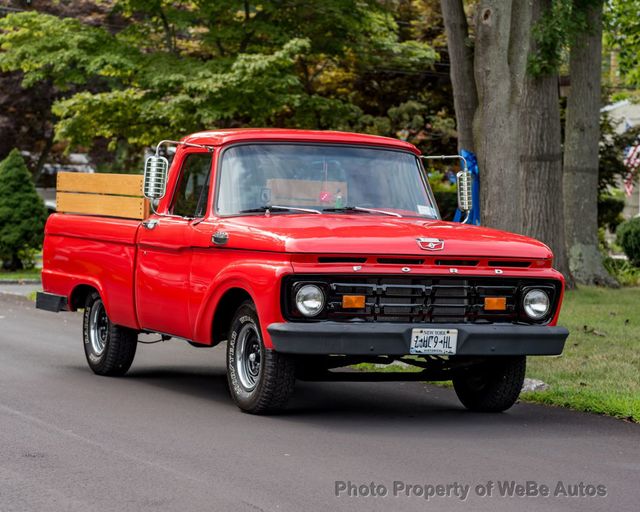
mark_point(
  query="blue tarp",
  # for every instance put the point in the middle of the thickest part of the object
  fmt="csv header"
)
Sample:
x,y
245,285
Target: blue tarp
x,y
474,215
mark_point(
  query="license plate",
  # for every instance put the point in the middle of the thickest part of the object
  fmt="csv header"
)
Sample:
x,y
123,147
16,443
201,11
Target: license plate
x,y
434,341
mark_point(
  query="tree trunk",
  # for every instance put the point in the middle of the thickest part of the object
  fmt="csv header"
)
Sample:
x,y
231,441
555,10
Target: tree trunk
x,y
541,160
501,52
582,137
465,96
42,159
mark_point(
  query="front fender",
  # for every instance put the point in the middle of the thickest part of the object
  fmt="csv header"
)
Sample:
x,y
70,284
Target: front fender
x,y
259,275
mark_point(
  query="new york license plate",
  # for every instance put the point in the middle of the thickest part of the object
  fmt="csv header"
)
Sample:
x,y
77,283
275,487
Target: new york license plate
x,y
434,341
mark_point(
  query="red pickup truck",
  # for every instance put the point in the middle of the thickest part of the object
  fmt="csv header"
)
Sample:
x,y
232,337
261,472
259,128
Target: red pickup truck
x,y
307,252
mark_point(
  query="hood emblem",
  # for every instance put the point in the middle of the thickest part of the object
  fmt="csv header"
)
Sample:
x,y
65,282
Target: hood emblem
x,y
430,244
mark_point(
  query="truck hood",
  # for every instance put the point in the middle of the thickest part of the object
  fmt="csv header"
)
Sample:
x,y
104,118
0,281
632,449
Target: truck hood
x,y
374,234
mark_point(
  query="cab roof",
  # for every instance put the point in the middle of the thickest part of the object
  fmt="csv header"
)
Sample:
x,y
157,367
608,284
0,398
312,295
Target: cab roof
x,y
220,137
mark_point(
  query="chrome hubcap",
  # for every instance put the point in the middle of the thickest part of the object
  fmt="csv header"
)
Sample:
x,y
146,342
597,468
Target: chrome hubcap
x,y
98,328
248,356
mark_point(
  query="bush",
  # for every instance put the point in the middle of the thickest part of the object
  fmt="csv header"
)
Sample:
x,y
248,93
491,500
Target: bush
x,y
445,194
624,272
628,237
610,206
22,212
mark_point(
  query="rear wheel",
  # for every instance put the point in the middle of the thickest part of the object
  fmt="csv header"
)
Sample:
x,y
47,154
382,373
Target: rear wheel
x,y
493,386
260,380
109,348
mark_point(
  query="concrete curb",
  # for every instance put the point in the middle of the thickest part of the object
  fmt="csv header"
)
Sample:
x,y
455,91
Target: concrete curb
x,y
20,281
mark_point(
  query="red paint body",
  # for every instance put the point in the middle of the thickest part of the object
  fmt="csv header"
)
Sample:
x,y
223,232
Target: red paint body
x,y
171,279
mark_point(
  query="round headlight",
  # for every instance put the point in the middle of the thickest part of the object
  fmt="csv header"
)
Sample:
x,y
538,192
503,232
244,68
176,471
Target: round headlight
x,y
536,304
310,300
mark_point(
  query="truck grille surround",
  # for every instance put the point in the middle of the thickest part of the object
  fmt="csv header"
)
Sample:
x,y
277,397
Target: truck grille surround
x,y
417,299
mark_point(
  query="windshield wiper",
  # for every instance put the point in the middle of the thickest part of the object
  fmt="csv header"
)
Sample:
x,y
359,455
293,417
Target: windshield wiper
x,y
267,209
361,209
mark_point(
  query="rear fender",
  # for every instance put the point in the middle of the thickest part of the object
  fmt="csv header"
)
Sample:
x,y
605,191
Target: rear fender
x,y
74,304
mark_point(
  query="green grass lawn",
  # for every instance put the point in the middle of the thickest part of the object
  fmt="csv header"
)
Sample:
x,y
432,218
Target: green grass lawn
x,y
599,370
20,274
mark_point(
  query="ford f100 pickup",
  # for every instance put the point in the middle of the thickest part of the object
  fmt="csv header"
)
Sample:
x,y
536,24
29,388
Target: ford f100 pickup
x,y
307,252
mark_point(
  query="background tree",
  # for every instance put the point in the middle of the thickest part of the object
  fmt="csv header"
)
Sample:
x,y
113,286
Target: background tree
x,y
540,145
503,30
623,38
173,67
465,94
22,212
581,148
26,118
488,70
520,162
517,125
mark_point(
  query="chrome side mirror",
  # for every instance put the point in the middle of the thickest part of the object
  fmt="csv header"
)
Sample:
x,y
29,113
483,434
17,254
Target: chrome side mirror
x,y
465,196
156,170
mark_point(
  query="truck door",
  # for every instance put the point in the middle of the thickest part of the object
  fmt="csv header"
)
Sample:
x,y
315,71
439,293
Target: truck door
x,y
164,251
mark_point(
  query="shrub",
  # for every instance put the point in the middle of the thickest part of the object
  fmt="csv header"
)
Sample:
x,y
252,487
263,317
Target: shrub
x,y
628,237
610,206
624,272
22,212
445,194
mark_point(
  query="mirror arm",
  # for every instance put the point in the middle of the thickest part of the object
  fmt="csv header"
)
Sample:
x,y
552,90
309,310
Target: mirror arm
x,y
180,143
445,157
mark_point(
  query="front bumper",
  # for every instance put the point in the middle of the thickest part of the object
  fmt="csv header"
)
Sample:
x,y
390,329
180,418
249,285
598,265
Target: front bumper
x,y
338,338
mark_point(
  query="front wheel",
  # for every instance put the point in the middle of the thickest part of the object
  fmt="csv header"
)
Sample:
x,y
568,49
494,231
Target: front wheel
x,y
493,386
260,380
109,348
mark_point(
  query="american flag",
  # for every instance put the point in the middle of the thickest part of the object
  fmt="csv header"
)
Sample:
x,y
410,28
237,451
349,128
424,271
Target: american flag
x,y
632,163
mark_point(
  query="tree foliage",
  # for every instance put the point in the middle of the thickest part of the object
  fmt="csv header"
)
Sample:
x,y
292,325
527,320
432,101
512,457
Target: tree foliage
x,y
173,67
556,31
22,212
628,237
623,36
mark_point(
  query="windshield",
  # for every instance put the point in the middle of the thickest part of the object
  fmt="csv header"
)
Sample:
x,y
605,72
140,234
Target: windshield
x,y
329,179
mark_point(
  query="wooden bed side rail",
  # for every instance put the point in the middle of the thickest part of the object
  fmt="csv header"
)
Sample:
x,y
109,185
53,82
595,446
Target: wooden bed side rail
x,y
109,195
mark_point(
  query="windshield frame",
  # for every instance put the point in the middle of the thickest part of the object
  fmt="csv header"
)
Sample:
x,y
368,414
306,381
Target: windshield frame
x,y
218,170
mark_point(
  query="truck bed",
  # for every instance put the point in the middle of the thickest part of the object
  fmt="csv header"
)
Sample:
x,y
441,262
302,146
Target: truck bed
x,y
96,251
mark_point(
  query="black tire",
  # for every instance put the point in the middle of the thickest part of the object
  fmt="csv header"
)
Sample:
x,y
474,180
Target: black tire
x,y
260,381
109,348
493,386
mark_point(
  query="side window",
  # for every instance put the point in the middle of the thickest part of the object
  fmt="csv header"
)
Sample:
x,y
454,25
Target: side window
x,y
193,188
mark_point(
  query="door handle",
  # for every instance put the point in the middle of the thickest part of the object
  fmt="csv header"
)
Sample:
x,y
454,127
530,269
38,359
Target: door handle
x,y
150,224
220,238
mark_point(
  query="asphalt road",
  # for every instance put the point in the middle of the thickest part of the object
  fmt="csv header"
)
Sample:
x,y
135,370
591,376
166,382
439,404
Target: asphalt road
x,y
167,437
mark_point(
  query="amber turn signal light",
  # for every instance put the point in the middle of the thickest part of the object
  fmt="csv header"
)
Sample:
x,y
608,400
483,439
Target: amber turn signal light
x,y
495,303
353,301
